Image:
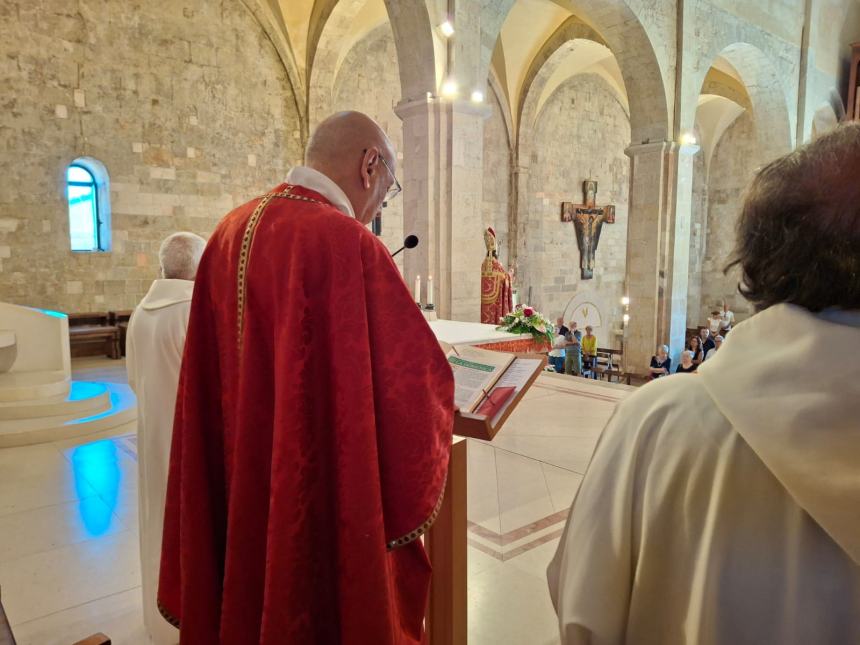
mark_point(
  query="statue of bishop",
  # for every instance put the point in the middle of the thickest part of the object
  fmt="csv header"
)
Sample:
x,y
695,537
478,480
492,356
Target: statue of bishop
x,y
496,289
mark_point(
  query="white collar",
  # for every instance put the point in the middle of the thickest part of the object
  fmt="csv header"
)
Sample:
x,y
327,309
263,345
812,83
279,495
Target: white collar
x,y
316,181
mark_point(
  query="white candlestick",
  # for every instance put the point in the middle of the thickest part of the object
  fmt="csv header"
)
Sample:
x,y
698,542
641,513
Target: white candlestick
x,y
430,291
417,288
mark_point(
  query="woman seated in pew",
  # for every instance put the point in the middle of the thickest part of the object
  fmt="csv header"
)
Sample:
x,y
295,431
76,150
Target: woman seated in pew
x,y
661,364
687,365
695,348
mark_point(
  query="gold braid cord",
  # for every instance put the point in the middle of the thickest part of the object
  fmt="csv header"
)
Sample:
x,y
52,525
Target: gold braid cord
x,y
247,244
425,526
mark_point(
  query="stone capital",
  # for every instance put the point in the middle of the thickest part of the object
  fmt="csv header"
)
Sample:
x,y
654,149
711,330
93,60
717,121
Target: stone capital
x,y
651,148
411,108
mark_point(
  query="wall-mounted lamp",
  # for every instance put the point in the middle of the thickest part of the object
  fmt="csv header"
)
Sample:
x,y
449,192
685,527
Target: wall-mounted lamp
x,y
625,301
477,96
688,139
447,29
450,88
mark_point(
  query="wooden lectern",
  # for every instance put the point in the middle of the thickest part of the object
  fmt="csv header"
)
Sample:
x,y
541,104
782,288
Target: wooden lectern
x,y
447,614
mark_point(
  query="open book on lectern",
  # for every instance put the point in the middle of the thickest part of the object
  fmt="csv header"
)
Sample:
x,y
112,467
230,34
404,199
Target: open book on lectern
x,y
487,386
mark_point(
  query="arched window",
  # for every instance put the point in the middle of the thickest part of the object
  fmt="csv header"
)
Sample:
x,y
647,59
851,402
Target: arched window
x,y
89,210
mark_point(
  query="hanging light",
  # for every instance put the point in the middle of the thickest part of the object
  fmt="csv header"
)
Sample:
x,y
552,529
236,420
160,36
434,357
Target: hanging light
x,y
450,88
477,96
447,29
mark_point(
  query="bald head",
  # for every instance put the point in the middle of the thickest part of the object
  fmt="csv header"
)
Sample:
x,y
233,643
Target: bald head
x,y
347,148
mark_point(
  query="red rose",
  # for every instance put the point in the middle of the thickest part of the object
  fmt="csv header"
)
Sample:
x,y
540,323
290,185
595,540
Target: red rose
x,y
528,312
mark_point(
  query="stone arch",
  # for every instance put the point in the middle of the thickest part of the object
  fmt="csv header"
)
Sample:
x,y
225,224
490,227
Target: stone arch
x,y
501,97
332,23
767,97
625,35
618,27
268,22
548,59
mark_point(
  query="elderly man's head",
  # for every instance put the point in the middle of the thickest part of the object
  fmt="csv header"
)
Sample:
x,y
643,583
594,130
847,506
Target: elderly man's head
x,y
355,153
179,256
799,232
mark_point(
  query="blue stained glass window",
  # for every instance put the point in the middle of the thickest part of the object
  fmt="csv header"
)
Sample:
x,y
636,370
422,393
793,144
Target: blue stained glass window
x,y
82,193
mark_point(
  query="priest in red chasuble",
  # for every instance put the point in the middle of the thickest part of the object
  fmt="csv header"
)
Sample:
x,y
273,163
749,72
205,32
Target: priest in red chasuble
x,y
307,460
496,290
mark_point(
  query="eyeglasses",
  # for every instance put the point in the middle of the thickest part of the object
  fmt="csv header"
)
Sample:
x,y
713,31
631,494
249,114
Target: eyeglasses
x,y
396,189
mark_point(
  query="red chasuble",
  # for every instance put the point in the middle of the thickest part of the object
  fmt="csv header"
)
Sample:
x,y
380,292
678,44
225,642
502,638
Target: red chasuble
x,y
311,438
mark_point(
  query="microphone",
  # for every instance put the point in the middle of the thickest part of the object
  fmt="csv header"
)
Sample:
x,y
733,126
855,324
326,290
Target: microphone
x,y
409,243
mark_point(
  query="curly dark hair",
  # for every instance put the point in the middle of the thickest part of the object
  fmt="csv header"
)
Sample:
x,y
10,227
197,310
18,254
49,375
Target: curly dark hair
x,y
798,237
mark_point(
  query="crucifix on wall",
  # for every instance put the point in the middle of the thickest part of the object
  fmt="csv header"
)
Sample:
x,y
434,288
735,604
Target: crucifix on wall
x,y
588,219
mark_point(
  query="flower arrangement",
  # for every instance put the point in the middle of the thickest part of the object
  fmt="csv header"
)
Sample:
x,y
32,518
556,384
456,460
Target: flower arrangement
x,y
526,320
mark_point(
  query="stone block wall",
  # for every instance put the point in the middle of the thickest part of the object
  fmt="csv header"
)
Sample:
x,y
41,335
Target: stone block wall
x,y
369,81
496,203
732,167
186,104
581,133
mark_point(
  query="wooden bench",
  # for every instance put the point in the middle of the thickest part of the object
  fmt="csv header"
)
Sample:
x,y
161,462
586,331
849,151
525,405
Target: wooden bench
x,y
91,332
120,320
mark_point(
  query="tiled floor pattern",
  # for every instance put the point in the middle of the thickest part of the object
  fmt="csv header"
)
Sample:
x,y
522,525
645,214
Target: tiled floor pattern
x,y
68,521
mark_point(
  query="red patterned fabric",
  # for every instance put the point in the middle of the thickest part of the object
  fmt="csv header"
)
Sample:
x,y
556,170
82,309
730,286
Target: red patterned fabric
x,y
310,452
496,292
519,346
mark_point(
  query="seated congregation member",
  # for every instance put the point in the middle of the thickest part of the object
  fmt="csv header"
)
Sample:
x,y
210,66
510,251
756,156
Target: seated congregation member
x,y
707,340
589,351
556,354
728,319
723,509
687,365
695,347
718,342
661,364
715,322
573,352
154,344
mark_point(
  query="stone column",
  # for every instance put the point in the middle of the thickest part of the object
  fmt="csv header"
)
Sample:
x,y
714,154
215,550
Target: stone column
x,y
466,229
658,250
646,251
442,190
421,193
678,282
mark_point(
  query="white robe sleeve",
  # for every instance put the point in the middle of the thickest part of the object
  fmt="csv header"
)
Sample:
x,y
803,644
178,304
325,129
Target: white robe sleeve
x,y
591,575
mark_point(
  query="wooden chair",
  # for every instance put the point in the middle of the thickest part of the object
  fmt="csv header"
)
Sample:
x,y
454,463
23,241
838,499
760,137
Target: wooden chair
x,y
609,365
88,331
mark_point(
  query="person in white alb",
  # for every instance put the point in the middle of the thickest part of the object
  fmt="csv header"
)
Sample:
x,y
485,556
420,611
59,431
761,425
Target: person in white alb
x,y
728,319
723,509
156,337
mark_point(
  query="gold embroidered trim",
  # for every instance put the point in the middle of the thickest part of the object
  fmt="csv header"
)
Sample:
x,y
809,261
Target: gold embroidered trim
x,y
170,618
421,530
245,250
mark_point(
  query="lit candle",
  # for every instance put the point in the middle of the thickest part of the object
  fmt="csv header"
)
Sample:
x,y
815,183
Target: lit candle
x,y
430,291
418,288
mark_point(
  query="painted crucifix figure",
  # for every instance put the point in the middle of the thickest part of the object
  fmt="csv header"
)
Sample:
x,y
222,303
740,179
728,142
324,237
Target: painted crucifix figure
x,y
588,219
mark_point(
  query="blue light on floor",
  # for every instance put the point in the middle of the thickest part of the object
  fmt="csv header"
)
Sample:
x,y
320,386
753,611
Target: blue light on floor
x,y
96,464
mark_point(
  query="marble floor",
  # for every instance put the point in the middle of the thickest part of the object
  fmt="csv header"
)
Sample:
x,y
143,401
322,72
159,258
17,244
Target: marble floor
x,y
68,520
